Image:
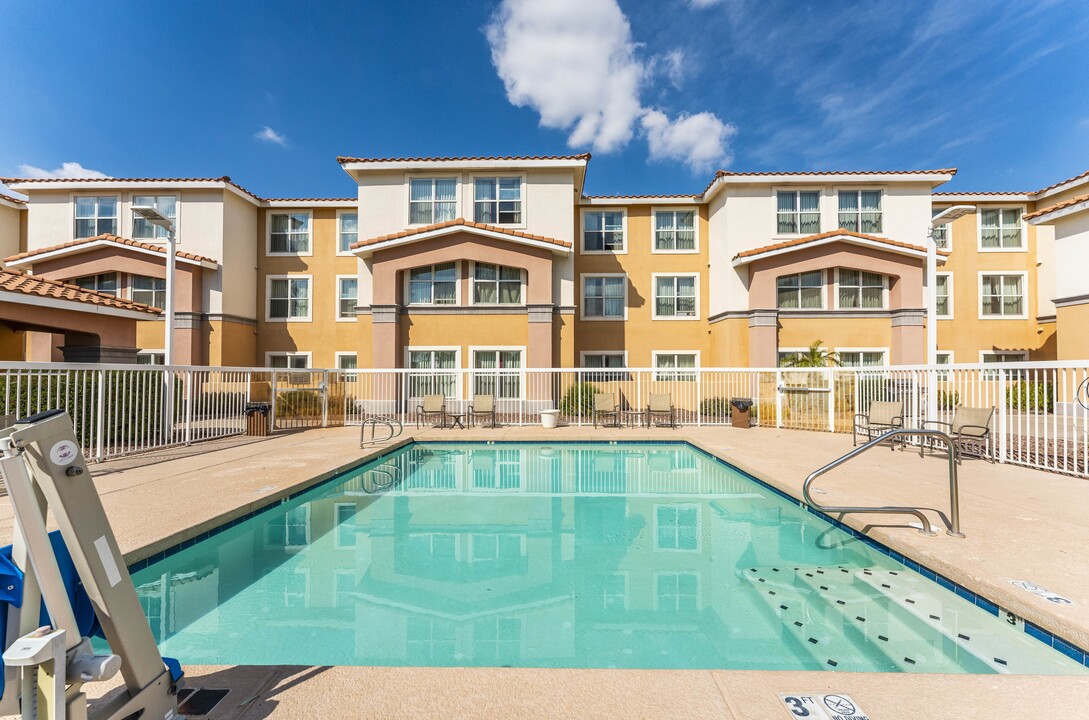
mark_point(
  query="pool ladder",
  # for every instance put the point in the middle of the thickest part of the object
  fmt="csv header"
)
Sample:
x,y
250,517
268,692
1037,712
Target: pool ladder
x,y
927,527
381,478
393,424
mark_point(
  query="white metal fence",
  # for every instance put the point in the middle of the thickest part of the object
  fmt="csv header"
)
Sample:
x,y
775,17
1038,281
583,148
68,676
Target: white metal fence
x,y
1040,420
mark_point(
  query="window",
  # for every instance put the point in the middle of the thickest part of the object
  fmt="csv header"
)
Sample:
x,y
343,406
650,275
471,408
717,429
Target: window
x,y
943,295
1003,357
497,200
616,591
603,231
861,289
433,285
345,519
103,283
497,641
348,361
293,530
347,293
676,527
167,205
347,231
799,213
1000,228
288,298
674,230
432,383
499,384
677,592
496,285
675,296
861,358
803,291
605,296
96,216
429,641
941,233
671,366
603,360
290,234
432,200
1002,295
148,290
297,588
288,360
151,357
787,358
860,210
943,358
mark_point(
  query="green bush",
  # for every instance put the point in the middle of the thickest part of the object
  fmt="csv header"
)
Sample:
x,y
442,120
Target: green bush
x,y
715,407
948,399
578,399
1031,396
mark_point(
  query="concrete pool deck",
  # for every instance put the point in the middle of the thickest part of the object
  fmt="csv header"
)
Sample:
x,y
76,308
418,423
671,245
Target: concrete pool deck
x,y
1020,525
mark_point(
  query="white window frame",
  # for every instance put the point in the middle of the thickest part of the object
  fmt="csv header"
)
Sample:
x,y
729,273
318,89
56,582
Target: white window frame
x,y
354,211
75,217
654,295
943,375
947,227
605,595
309,232
796,191
699,527
654,230
883,350
471,191
676,371
156,236
458,369
884,291
1023,353
823,291
351,376
472,285
151,352
623,228
790,351
336,305
130,289
456,177
949,287
582,297
622,353
336,525
1024,295
310,298
677,573
979,230
520,349
117,278
858,193
407,279
269,354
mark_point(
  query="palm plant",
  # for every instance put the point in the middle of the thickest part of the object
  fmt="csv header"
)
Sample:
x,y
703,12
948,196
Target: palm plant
x,y
814,356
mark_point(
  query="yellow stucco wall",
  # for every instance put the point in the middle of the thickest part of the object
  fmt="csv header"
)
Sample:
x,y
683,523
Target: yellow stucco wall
x,y
1072,338
729,341
463,331
835,333
11,344
232,344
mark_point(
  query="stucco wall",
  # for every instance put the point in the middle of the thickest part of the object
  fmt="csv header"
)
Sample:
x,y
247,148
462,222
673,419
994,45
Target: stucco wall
x,y
10,230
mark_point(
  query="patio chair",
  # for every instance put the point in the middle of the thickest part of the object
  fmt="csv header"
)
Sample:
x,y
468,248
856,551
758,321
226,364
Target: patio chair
x,y
482,406
970,431
661,407
433,406
606,408
882,417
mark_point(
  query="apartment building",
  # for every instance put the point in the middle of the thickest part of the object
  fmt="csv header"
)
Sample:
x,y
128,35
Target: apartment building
x,y
484,262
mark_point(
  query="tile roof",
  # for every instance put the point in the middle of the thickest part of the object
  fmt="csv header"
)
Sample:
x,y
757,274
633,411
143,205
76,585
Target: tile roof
x,y
29,285
9,198
458,222
940,171
223,179
675,196
311,199
344,159
106,238
998,193
1064,182
1057,206
831,234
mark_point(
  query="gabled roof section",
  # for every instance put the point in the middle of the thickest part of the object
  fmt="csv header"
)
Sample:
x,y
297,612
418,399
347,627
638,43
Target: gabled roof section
x,y
833,236
365,247
473,158
14,282
1058,185
1069,205
223,181
935,177
86,244
10,200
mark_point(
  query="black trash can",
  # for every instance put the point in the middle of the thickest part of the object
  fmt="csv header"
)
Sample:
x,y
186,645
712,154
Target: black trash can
x,y
739,414
258,415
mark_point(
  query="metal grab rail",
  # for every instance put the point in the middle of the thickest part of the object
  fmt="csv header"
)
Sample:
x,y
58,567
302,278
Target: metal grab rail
x,y
394,425
385,470
928,528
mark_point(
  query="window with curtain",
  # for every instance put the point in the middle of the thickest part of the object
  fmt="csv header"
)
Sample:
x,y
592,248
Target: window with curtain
x,y
432,200
103,283
675,366
862,290
434,382
497,200
348,361
675,296
603,360
801,291
860,210
1000,228
603,231
148,290
1004,357
96,215
799,212
347,231
507,385
167,205
347,292
496,285
675,230
943,292
150,357
677,591
1002,295
604,297
943,358
289,298
292,361
677,527
433,285
861,358
941,233
290,233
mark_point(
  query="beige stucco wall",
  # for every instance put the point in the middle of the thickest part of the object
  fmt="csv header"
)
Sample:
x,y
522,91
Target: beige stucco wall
x,y
1072,340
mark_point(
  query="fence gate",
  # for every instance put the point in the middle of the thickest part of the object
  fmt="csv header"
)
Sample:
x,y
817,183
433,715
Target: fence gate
x,y
301,400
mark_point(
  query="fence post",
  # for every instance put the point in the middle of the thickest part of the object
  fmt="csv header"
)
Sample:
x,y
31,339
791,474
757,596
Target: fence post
x,y
831,400
189,407
699,397
1000,403
100,416
778,398
272,400
325,398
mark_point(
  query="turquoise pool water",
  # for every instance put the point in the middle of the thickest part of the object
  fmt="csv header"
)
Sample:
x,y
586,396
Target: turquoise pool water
x,y
571,555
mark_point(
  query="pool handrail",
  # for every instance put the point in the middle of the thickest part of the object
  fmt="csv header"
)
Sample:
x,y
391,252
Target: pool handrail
x,y
395,429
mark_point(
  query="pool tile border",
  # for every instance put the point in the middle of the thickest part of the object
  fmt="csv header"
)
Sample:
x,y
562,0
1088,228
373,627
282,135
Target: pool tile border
x,y
1038,633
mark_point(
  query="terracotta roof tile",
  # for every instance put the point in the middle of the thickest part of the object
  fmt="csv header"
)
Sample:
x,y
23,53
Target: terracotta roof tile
x,y
29,285
9,198
344,159
458,222
107,238
223,179
676,196
833,233
1064,182
1057,206
311,199
997,193
943,171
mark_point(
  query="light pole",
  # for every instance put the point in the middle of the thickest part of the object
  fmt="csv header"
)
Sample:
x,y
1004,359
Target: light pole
x,y
945,216
157,219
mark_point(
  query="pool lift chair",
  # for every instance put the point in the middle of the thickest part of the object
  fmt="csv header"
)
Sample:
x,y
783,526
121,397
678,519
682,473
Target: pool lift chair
x,y
81,576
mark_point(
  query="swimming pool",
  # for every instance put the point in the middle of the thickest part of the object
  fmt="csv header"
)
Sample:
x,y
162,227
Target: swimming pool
x,y
566,555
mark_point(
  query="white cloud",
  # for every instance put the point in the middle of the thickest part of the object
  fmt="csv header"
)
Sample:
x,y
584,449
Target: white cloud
x,y
267,134
700,4
698,140
574,62
66,170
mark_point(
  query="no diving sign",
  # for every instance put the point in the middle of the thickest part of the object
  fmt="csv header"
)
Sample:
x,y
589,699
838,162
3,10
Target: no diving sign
x,y
823,707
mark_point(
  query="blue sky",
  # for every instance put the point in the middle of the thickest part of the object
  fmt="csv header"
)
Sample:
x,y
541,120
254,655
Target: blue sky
x,y
661,91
